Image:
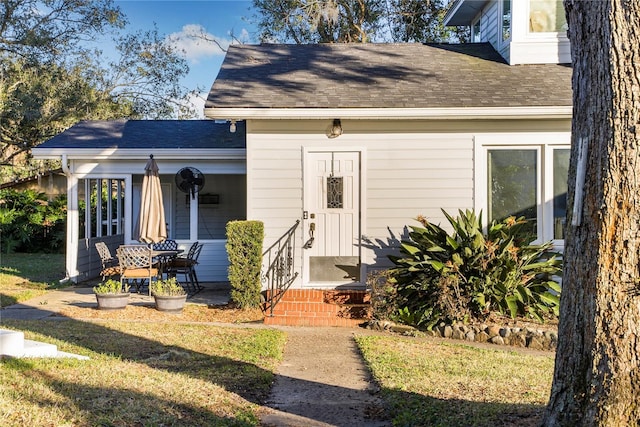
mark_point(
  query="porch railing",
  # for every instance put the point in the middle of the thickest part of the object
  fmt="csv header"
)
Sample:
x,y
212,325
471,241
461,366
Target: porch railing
x,y
280,272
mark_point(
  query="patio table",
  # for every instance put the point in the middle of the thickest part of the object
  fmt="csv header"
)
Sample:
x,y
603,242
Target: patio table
x,y
164,257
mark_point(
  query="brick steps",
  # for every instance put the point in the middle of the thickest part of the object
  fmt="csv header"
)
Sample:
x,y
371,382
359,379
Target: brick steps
x,y
314,307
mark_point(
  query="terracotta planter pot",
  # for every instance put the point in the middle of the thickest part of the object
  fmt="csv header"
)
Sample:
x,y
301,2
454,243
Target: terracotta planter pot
x,y
170,304
112,301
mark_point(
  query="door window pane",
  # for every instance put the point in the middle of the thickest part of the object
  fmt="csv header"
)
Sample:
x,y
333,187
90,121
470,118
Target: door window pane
x,y
560,174
513,185
334,192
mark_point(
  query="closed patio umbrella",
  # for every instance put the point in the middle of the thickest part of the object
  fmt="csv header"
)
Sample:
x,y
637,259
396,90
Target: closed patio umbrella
x,y
152,227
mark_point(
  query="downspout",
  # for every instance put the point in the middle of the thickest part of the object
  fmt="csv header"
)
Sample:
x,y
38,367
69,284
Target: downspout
x,y
65,166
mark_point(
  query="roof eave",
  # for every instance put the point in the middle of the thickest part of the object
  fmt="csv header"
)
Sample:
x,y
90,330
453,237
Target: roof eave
x,y
452,113
462,12
139,153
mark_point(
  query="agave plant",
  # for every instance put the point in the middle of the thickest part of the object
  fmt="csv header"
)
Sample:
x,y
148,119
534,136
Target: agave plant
x,y
468,274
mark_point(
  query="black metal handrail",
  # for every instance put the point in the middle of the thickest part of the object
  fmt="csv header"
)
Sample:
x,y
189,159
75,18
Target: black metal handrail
x,y
280,262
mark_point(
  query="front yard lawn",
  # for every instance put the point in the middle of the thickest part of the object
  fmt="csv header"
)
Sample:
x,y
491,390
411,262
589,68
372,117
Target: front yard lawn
x,y
24,276
434,383
140,373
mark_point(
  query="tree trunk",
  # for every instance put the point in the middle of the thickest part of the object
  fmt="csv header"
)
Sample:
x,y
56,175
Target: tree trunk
x,y
597,372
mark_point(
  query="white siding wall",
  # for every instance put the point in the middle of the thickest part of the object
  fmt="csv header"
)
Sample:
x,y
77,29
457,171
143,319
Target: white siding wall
x,y
524,47
409,168
490,24
406,172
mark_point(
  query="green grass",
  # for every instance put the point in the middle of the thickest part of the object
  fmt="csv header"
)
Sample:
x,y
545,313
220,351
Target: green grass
x,y
24,276
430,383
140,374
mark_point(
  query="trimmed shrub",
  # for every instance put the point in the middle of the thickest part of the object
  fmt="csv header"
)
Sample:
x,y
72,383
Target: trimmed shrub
x,y
467,275
244,248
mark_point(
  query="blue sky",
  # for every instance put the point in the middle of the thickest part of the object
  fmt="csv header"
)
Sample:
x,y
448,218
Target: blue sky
x,y
177,19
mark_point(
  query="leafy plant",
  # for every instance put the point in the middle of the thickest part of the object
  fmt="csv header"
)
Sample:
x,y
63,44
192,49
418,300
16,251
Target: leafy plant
x,y
111,286
167,287
31,223
467,275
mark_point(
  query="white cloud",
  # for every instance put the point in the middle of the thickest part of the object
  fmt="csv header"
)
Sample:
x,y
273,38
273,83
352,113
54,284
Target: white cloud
x,y
197,43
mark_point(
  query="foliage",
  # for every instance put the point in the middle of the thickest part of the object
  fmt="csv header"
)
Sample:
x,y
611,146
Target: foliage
x,y
37,103
167,287
111,286
422,21
348,21
49,80
30,223
467,275
244,247
44,30
384,299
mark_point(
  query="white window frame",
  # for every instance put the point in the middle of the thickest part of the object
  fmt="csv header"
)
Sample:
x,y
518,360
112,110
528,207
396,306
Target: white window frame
x,y
477,22
544,143
502,41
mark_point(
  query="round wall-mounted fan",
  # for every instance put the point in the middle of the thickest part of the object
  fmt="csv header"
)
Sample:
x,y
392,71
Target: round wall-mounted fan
x,y
190,180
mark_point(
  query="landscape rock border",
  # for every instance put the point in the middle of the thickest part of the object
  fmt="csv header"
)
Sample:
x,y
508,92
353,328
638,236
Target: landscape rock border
x,y
517,336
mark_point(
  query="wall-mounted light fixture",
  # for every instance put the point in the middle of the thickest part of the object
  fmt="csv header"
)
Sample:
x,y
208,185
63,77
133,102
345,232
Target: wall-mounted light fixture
x,y
335,130
232,126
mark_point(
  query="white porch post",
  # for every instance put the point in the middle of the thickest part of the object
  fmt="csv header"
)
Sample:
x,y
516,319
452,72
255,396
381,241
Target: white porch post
x,y
73,224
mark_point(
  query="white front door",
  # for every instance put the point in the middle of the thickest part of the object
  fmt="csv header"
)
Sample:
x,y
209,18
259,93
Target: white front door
x,y
331,219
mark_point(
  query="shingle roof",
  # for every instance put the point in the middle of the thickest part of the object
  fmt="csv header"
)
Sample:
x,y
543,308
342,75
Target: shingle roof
x,y
152,134
383,76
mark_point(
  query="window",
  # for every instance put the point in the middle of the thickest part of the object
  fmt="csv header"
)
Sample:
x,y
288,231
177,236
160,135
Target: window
x,y
547,16
560,174
476,37
506,20
101,203
528,179
222,200
513,185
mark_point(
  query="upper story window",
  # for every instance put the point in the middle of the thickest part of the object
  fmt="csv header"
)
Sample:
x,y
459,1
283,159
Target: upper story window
x,y
506,20
476,37
547,16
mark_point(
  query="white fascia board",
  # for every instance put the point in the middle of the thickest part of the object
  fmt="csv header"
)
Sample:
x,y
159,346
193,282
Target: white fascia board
x,y
472,113
140,153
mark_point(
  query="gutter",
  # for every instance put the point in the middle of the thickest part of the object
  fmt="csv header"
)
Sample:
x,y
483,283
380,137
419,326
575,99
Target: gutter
x,y
452,113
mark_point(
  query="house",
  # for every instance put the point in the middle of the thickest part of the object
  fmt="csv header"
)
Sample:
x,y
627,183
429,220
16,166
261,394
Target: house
x,y
52,183
102,158
347,143
357,140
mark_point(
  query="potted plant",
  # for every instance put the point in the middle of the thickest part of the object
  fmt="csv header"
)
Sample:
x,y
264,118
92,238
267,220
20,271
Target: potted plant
x,y
169,295
111,295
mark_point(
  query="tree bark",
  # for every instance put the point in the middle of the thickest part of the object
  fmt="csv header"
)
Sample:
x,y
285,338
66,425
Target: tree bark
x,y
597,371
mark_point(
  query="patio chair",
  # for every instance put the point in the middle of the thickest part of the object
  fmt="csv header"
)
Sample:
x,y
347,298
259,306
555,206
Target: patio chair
x,y
136,264
186,265
162,260
110,266
167,245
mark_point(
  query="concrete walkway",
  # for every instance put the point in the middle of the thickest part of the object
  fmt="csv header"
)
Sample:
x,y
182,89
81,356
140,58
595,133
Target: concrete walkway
x,y
321,382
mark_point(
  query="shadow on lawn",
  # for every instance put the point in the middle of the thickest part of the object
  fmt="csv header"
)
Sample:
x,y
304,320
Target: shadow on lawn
x,y
412,409
109,406
125,406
